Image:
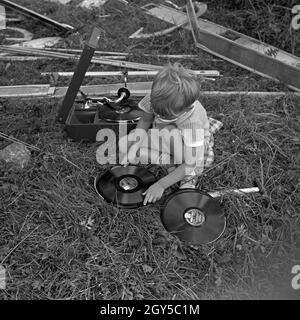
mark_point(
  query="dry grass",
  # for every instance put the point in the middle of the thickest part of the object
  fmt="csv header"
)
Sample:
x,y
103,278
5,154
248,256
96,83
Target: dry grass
x,y
58,240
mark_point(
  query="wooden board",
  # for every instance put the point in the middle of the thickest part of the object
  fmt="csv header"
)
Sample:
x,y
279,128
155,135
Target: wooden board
x,y
203,73
104,61
39,90
137,89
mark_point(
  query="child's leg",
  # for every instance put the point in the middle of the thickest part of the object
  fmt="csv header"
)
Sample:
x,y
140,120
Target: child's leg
x,y
191,179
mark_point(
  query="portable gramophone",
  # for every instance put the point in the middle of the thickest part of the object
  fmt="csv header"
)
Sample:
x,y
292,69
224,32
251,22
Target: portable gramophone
x,y
85,116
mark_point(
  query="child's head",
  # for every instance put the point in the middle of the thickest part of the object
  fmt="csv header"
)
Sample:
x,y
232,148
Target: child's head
x,y
174,89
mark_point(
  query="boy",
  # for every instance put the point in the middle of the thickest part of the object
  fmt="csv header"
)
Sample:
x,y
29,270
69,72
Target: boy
x,y
181,132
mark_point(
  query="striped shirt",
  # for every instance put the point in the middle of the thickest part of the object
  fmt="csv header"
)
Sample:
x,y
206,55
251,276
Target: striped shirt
x,y
196,130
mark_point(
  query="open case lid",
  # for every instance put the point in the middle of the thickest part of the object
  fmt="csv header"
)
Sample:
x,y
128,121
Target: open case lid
x,y
79,74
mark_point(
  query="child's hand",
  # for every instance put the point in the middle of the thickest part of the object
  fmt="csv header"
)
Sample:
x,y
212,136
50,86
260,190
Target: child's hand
x,y
153,193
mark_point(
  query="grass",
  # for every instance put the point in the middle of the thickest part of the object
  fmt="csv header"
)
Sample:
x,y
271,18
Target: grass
x,y
268,21
58,240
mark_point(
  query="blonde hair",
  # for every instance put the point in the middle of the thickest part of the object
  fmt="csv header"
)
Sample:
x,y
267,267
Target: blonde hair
x,y
174,89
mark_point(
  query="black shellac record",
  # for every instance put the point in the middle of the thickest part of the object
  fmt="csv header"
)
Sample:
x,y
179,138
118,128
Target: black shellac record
x,y
193,216
123,186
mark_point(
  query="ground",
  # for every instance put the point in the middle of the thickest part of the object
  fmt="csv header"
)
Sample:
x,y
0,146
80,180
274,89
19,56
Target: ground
x,y
58,240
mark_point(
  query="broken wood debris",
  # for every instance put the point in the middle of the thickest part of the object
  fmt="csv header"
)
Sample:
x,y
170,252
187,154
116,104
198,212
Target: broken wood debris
x,y
138,89
92,3
37,90
61,1
70,50
202,7
173,5
139,35
25,35
39,43
227,44
241,192
168,14
21,58
7,57
112,62
244,51
13,6
204,73
258,94
125,54
89,4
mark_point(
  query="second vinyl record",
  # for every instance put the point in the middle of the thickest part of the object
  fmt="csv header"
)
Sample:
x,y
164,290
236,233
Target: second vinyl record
x,y
193,217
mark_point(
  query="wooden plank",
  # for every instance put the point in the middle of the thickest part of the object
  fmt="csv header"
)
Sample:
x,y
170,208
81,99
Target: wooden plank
x,y
204,73
141,92
137,89
244,51
7,57
21,59
40,90
47,53
240,192
107,89
96,52
39,43
125,54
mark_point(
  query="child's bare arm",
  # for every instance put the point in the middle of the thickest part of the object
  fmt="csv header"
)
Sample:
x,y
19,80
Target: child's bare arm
x,y
192,155
156,190
144,123
138,136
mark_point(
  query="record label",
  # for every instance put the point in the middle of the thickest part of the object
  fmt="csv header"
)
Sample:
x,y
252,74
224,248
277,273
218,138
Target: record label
x,y
128,183
194,216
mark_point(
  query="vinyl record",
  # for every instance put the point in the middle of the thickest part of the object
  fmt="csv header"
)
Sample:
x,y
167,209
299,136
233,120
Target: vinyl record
x,y
126,113
192,216
123,186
